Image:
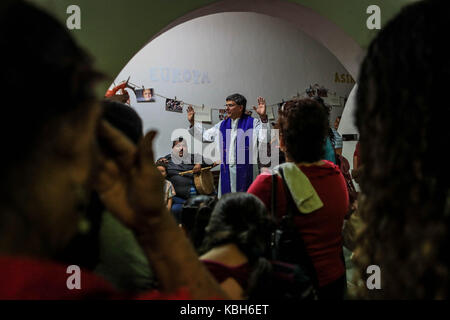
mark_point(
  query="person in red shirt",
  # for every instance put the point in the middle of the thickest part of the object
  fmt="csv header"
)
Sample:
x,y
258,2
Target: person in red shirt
x,y
57,153
303,129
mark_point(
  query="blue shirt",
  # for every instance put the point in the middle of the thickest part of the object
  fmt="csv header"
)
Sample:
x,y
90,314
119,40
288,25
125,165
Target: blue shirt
x,y
329,151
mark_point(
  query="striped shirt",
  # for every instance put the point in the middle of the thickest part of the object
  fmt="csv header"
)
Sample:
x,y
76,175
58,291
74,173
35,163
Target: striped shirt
x,y
169,191
337,139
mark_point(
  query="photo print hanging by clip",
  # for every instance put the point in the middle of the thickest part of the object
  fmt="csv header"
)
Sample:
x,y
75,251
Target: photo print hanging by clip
x,y
145,95
222,114
174,106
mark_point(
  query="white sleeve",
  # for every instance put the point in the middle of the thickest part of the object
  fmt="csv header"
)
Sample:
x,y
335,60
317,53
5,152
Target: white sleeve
x,y
262,130
208,135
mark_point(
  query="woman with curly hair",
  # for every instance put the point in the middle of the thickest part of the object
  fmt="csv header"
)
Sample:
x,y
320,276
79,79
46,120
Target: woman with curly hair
x,y
400,115
313,189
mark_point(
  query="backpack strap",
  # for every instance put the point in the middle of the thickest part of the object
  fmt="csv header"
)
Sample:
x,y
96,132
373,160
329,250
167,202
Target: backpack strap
x,y
274,197
290,209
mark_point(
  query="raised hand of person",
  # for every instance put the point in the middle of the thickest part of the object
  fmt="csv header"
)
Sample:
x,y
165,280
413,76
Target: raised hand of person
x,y
191,114
128,182
197,168
261,108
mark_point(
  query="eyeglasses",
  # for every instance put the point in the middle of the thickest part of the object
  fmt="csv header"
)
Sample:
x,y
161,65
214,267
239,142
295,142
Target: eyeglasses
x,y
230,105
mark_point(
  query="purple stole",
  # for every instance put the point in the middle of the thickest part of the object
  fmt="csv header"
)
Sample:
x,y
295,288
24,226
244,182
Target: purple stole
x,y
244,172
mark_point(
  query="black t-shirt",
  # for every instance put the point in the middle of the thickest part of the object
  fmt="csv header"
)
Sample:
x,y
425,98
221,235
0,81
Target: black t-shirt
x,y
182,184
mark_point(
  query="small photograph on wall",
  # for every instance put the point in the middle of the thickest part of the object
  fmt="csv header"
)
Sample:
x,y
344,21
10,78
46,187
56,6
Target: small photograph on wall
x,y
223,114
145,95
174,106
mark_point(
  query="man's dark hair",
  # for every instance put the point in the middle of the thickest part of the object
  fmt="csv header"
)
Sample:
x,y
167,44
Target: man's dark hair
x,y
402,123
124,118
303,124
239,99
328,111
161,163
240,218
195,217
174,142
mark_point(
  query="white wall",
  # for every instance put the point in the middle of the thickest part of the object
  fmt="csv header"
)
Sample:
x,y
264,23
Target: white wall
x,y
347,126
249,53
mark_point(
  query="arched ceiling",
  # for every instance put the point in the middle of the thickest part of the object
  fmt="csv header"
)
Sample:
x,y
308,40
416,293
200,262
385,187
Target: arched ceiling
x,y
113,31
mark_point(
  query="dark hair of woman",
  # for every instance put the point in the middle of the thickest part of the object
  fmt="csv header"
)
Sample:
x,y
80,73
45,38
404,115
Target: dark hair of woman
x,y
238,98
401,118
327,110
242,219
195,217
303,124
239,218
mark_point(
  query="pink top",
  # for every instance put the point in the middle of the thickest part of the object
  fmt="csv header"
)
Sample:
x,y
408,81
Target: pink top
x,y
221,272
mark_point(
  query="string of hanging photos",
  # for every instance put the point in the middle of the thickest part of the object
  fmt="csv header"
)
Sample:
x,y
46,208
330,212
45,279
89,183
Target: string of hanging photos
x,y
313,91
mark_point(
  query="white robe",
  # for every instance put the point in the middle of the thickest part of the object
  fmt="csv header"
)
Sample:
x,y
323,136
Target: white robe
x,y
261,134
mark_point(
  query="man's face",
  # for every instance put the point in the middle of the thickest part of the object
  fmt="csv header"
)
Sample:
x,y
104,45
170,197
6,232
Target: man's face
x,y
233,110
162,170
147,94
179,148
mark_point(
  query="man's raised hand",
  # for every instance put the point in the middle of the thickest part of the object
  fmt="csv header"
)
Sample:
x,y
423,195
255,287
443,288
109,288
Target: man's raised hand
x,y
191,114
261,109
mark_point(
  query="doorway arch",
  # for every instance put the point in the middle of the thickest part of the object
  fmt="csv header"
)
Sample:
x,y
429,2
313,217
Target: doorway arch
x,y
319,28
299,17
